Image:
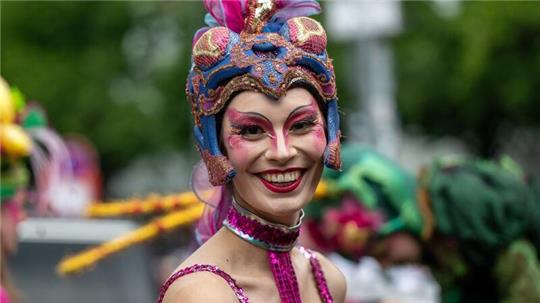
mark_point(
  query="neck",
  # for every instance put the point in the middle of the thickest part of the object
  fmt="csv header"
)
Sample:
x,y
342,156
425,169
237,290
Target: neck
x,y
276,239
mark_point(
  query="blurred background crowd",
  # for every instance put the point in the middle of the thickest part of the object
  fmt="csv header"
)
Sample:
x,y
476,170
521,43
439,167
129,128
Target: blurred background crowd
x,y
443,206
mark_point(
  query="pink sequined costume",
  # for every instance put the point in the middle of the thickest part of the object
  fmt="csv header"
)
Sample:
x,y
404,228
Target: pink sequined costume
x,y
278,240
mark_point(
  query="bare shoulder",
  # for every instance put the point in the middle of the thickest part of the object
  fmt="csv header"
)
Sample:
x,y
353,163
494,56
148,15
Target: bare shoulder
x,y
199,287
203,285
334,278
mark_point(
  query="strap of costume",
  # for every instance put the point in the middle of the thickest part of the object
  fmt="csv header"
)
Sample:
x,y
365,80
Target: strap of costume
x,y
238,291
284,276
320,280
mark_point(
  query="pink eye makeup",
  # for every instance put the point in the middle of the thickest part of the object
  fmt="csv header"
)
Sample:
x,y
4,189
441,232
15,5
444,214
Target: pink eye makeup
x,y
302,120
302,124
247,130
250,132
251,126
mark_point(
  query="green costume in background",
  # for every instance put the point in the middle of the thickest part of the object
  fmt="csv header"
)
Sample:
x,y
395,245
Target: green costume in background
x,y
479,221
490,211
384,192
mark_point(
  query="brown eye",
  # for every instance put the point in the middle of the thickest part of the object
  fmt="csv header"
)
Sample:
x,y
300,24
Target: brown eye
x,y
252,132
302,127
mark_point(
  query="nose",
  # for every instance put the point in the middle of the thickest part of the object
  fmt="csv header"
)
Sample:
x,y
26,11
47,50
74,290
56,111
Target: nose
x,y
281,151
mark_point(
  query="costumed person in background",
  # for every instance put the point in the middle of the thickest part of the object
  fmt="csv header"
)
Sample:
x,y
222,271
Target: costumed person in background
x,y
485,245
264,103
15,145
370,226
37,172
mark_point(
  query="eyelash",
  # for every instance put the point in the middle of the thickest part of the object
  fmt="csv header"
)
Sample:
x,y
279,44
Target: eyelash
x,y
244,129
305,124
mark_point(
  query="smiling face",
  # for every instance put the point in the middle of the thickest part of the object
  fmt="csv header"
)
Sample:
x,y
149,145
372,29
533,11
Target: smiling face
x,y
276,148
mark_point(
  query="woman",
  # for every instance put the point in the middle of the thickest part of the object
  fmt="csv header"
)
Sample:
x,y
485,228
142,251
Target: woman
x,y
265,107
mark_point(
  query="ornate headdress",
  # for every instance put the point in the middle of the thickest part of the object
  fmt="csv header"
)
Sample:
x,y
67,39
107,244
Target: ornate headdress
x,y
263,45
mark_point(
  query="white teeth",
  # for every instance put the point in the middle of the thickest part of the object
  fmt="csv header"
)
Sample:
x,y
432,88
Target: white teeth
x,y
290,177
283,177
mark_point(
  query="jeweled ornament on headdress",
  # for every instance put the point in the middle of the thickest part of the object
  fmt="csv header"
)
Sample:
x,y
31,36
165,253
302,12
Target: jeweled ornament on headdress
x,y
262,45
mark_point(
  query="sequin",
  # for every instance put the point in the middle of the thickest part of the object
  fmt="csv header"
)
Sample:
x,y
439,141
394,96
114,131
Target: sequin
x,y
307,34
284,276
259,232
320,280
211,47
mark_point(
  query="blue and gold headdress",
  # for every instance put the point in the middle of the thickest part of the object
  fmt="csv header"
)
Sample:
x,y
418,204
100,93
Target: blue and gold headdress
x,y
261,45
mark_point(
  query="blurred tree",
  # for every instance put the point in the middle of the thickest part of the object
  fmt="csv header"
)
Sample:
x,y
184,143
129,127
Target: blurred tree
x,y
471,75
113,71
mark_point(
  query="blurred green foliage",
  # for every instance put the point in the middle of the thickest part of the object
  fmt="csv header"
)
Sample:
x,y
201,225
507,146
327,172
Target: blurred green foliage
x,y
71,57
114,71
471,75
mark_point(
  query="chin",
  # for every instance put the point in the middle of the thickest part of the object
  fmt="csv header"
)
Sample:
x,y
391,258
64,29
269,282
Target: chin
x,y
285,206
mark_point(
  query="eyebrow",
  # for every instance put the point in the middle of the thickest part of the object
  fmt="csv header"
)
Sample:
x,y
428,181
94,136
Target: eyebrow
x,y
256,115
294,111
261,116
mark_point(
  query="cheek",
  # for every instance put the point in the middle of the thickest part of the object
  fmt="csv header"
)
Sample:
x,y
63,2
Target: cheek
x,y
312,144
240,152
236,142
319,138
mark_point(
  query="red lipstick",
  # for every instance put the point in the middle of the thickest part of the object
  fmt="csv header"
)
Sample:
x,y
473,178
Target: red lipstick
x,y
283,187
